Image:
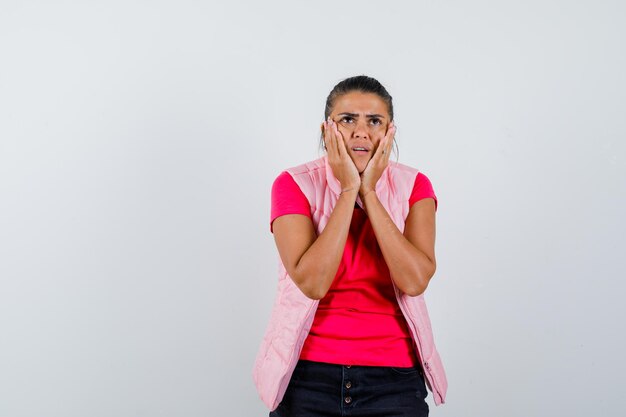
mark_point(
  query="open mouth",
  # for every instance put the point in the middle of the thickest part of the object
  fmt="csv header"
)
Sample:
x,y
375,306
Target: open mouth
x,y
360,150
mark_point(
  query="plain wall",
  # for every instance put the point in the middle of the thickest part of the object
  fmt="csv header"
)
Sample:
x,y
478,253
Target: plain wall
x,y
139,142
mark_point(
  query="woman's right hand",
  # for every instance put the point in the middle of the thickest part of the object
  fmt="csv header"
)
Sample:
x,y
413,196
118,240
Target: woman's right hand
x,y
340,162
312,260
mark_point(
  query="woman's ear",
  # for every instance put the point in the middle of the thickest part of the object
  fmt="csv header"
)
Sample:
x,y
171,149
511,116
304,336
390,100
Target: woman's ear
x,y
322,143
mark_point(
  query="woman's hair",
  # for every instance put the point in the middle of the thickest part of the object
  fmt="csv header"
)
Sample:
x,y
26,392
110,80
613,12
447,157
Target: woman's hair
x,y
363,84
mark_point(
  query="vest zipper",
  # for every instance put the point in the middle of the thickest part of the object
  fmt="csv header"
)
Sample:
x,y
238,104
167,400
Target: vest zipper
x,y
418,342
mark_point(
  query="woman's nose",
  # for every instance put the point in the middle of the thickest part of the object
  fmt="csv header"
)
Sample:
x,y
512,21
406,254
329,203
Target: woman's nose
x,y
360,130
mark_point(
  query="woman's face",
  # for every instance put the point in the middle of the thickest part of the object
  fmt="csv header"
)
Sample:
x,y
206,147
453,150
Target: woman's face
x,y
362,119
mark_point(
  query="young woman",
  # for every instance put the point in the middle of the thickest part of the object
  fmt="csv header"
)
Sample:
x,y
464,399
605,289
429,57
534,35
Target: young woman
x,y
349,332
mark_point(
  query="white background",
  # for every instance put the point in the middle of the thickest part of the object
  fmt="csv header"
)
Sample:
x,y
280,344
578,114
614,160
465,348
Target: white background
x,y
139,141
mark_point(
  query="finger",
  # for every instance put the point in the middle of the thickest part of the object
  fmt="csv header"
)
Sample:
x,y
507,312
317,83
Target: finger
x,y
384,150
387,142
326,137
333,135
341,143
391,133
331,147
381,149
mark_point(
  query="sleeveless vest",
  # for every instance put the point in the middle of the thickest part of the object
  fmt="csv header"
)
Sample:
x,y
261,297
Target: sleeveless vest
x,y
293,312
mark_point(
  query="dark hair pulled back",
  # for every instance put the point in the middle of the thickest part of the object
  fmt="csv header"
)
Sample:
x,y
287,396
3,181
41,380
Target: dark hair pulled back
x,y
363,84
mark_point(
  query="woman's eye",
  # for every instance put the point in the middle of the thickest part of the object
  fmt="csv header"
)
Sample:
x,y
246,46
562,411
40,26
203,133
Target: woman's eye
x,y
347,119
376,122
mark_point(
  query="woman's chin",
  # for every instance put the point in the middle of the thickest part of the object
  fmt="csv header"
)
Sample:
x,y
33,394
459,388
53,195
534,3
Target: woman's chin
x,y
360,167
360,163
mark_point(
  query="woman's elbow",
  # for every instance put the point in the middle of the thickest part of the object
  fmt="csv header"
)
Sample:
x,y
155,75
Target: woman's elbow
x,y
418,285
310,288
315,295
415,290
312,292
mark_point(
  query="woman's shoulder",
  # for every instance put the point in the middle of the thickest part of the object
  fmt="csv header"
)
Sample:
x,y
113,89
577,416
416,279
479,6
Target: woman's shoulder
x,y
286,190
286,177
399,167
307,167
416,182
402,176
411,172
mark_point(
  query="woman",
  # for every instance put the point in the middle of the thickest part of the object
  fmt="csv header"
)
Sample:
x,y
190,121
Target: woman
x,y
349,331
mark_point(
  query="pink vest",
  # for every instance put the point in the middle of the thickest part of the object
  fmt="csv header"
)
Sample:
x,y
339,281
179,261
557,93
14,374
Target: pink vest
x,y
293,312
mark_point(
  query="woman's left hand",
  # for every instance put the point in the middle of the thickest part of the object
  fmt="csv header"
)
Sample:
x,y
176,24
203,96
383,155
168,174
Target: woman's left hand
x,y
378,163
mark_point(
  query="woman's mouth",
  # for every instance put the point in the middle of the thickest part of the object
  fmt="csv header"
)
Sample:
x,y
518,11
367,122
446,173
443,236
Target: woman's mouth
x,y
360,150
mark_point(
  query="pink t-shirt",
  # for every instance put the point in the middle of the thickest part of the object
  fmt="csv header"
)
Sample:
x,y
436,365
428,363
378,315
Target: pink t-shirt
x,y
359,321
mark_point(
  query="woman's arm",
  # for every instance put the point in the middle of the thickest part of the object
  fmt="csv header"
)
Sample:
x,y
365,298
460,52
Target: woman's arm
x,y
312,261
409,256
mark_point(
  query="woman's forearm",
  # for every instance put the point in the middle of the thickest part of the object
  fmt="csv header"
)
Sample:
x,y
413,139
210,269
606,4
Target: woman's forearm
x,y
316,269
409,267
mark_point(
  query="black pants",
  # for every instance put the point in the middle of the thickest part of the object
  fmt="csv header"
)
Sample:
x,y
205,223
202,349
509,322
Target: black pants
x,y
322,389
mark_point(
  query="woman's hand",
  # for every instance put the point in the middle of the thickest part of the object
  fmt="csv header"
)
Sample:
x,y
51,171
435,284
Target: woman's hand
x,y
312,260
340,162
378,163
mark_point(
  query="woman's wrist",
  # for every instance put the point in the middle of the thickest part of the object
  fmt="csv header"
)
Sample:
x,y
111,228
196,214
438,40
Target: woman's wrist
x,y
365,191
347,190
349,186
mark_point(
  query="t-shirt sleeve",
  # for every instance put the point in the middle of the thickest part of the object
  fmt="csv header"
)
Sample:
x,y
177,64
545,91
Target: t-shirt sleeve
x,y
422,189
287,198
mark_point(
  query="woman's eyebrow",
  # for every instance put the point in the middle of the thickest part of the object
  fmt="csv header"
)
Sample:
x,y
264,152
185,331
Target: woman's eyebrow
x,y
380,116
